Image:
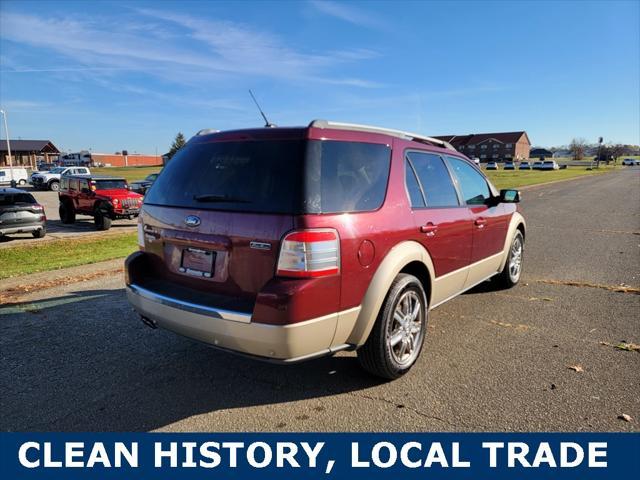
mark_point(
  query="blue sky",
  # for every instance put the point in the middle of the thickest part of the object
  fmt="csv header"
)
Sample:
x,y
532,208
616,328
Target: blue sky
x,y
129,75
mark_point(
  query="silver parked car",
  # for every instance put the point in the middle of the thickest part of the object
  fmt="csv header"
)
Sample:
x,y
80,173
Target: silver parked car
x,y
21,213
492,166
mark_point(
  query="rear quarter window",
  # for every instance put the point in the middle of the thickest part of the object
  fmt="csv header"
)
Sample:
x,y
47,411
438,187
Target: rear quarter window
x,y
345,177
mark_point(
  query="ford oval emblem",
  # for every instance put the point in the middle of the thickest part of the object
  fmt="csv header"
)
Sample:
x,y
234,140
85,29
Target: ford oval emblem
x,y
192,221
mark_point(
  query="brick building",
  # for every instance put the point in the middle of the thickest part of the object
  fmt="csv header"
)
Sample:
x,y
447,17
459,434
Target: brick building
x,y
492,146
118,159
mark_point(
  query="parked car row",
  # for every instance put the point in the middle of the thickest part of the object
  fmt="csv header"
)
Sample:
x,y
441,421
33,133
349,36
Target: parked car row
x,y
628,162
526,165
105,198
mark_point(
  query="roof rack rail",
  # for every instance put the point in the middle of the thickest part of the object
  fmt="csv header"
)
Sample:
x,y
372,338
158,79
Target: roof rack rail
x,y
387,131
206,131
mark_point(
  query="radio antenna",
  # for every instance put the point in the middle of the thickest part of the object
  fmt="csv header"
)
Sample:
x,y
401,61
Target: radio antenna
x,y
267,123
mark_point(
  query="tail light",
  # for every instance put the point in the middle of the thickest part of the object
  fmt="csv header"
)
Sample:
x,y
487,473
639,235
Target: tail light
x,y
39,208
309,253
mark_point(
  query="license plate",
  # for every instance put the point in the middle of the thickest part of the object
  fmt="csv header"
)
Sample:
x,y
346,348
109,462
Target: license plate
x,y
198,262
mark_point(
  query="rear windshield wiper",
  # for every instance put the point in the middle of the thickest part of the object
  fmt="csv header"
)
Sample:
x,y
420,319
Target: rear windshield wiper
x,y
215,197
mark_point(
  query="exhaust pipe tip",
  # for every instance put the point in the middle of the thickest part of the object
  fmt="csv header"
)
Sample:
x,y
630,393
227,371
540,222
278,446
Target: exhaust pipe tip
x,y
148,322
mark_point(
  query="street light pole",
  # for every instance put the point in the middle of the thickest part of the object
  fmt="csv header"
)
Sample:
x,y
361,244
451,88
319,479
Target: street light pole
x,y
6,130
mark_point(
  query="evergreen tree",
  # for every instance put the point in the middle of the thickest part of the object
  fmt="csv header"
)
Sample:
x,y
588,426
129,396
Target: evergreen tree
x,y
177,144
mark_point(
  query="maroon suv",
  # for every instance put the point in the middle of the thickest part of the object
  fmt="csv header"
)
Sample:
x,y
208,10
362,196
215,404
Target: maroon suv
x,y
293,243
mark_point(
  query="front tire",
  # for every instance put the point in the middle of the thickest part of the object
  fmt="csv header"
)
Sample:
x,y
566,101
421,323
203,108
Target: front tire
x,y
396,340
54,186
39,233
512,271
102,221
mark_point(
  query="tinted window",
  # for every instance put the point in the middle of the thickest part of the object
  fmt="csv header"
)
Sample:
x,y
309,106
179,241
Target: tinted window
x,y
2,174
475,189
415,194
13,198
110,184
73,184
435,179
256,176
84,185
345,176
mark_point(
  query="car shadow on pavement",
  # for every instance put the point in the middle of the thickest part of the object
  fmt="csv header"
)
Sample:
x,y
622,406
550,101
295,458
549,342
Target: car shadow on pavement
x,y
81,225
83,361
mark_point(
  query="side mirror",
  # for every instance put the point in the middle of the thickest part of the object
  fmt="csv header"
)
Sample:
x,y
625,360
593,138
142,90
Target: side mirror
x,y
509,196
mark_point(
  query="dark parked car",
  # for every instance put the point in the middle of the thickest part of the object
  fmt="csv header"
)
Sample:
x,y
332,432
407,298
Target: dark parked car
x,y
21,213
293,243
524,165
141,186
492,166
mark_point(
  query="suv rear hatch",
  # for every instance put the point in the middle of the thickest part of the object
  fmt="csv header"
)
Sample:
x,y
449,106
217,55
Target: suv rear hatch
x,y
19,209
214,218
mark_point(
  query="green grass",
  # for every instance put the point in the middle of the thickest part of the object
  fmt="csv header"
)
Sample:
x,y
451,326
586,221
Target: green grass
x,y
56,254
130,173
521,178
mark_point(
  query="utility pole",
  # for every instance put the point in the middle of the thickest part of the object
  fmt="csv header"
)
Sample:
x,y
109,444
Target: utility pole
x,y
6,130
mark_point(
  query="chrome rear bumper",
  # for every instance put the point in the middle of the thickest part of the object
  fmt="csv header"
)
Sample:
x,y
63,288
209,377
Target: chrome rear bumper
x,y
236,331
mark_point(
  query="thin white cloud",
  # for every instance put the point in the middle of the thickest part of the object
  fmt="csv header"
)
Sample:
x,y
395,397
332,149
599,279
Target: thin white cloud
x,y
206,48
348,13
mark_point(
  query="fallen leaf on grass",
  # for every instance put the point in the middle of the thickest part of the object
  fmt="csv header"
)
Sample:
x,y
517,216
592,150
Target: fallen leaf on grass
x,y
576,368
625,417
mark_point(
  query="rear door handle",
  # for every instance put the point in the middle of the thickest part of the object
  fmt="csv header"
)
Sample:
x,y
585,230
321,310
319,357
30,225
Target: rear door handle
x,y
480,222
430,229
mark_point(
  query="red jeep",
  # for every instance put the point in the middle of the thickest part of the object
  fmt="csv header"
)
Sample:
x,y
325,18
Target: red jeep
x,y
293,243
104,198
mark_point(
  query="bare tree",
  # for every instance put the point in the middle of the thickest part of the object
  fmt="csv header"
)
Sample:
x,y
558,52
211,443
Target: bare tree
x,y
577,148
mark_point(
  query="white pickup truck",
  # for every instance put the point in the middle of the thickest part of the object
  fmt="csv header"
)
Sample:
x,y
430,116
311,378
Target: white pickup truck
x,y
51,180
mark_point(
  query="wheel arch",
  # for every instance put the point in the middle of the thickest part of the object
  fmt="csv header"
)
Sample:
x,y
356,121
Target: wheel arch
x,y
406,257
517,224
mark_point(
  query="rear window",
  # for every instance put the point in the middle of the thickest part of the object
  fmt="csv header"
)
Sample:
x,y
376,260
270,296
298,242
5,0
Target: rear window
x,y
109,184
253,176
16,198
275,176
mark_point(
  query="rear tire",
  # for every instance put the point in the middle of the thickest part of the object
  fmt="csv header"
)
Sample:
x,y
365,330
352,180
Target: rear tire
x,y
102,221
396,340
512,271
39,233
22,182
54,186
67,213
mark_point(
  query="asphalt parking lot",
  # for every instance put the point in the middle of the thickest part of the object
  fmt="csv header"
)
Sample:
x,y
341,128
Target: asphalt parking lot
x,y
75,357
55,228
